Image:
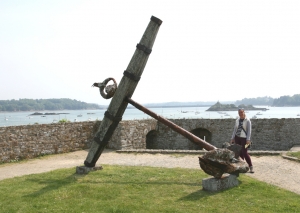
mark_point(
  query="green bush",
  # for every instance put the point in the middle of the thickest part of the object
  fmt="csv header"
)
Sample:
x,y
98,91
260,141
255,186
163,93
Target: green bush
x,y
64,120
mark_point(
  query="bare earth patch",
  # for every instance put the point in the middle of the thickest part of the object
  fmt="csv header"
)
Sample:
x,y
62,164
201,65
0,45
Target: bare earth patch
x,y
271,169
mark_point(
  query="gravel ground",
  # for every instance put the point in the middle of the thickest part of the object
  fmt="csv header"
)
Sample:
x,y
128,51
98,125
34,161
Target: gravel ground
x,y
274,170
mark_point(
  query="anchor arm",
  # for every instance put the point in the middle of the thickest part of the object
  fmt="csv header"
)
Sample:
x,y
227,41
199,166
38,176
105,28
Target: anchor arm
x,y
193,138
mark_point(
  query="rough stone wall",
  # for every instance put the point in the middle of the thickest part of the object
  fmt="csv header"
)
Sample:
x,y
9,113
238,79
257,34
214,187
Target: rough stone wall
x,y
29,141
221,130
22,142
131,134
276,134
267,134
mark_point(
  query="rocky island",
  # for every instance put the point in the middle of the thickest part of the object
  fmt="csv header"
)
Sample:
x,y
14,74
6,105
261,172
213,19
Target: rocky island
x,y
231,107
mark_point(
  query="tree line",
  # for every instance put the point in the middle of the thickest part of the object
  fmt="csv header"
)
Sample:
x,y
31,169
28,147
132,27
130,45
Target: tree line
x,y
69,104
287,101
45,104
268,101
265,101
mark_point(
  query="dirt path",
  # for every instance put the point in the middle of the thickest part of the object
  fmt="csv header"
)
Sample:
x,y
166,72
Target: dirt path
x,y
271,169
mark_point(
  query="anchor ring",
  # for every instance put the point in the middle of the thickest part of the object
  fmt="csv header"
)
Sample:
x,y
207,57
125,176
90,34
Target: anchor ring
x,y
110,89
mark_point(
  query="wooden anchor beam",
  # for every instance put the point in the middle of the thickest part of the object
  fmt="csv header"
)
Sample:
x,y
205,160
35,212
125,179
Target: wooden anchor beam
x,y
126,88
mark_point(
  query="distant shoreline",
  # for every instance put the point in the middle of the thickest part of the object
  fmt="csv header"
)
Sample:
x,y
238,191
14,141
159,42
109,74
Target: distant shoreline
x,y
104,108
158,106
50,110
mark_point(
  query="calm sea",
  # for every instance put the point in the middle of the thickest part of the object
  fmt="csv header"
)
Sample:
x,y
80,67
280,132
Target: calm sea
x,y
24,118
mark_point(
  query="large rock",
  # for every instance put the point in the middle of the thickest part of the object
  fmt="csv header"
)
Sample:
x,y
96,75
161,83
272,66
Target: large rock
x,y
219,161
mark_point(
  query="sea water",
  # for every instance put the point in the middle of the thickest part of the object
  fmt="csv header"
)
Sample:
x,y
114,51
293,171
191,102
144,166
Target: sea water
x,y
26,118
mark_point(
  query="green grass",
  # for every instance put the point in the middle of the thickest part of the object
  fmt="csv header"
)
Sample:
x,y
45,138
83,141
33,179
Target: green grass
x,y
138,189
64,120
294,154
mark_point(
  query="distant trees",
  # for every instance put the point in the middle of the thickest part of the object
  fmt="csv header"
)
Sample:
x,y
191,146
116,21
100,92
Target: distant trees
x,y
265,101
287,101
268,101
45,104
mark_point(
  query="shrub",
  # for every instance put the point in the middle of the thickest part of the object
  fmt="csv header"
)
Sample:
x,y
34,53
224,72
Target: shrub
x,y
64,120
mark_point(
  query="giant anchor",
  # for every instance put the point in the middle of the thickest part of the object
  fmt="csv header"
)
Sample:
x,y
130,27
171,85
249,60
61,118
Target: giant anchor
x,y
215,162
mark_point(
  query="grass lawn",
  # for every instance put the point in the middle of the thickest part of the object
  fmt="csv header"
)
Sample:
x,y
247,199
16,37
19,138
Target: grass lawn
x,y
294,154
138,189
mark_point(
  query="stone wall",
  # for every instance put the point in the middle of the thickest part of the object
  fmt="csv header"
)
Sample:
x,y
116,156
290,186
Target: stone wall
x,y
217,132
131,134
22,142
29,141
276,134
267,134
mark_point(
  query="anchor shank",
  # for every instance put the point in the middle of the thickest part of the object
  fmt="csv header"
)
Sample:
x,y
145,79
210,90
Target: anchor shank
x,y
127,85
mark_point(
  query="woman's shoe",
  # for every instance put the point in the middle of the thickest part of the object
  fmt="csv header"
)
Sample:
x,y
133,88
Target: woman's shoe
x,y
251,169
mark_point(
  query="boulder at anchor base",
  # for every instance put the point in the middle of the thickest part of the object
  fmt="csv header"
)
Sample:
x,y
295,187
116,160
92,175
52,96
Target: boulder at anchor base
x,y
219,161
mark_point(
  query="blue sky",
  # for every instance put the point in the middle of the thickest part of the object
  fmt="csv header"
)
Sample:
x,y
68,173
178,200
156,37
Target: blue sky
x,y
204,50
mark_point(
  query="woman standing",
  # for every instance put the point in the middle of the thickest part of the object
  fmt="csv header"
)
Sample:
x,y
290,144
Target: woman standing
x,y
241,135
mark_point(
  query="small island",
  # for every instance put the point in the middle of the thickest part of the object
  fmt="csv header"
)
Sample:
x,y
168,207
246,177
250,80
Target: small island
x,y
231,107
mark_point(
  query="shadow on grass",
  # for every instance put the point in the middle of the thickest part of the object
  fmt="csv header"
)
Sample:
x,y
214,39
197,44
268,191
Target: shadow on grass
x,y
53,184
145,183
48,184
197,195
200,194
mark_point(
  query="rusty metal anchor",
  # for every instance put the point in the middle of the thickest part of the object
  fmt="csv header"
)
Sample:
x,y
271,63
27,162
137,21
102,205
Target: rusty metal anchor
x,y
215,162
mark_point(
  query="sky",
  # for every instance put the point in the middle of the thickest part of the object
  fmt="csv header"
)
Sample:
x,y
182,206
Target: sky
x,y
213,50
